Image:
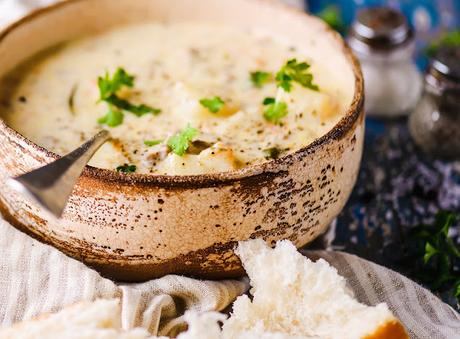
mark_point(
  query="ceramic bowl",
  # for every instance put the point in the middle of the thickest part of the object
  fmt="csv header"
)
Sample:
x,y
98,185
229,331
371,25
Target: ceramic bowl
x,y
137,227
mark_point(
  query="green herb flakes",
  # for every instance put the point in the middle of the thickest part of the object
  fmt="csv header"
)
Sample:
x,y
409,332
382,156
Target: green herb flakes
x,y
275,111
272,153
108,88
113,117
180,142
260,78
126,168
138,110
214,105
295,71
151,143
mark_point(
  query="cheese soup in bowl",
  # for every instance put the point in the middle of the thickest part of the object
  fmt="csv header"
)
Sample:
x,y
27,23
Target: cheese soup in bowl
x,y
210,78
229,121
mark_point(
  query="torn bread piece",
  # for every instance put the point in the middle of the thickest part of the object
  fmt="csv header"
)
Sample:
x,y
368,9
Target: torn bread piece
x,y
86,320
294,297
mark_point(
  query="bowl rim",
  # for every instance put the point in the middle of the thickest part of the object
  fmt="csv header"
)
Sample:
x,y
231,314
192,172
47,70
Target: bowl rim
x,y
264,169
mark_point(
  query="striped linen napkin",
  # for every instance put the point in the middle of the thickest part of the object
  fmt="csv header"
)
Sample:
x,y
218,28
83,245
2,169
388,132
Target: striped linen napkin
x,y
36,278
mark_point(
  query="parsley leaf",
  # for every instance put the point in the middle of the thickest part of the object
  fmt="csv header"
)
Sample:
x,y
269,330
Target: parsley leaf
x,y
138,110
180,142
430,251
457,289
260,78
108,88
432,256
113,117
272,153
126,168
152,142
297,72
276,110
214,105
269,101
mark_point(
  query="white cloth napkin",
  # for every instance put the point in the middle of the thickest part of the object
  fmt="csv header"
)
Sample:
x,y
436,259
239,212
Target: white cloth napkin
x,y
36,278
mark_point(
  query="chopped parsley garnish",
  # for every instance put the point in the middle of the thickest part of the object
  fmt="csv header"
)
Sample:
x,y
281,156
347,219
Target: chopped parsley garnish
x,y
269,101
260,78
108,88
292,71
276,110
431,256
214,105
138,110
450,39
180,142
297,72
112,118
272,153
152,142
126,168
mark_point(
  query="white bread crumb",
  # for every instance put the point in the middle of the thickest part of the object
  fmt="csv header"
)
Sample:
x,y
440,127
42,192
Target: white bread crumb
x,y
203,325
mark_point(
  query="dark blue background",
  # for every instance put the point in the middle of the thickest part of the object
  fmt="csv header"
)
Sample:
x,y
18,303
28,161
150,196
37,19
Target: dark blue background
x,y
440,15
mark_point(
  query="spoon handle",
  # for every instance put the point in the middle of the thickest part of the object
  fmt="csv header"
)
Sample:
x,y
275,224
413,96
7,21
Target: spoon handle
x,y
52,184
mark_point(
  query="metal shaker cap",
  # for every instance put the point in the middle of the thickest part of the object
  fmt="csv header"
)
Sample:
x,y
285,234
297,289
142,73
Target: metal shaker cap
x,y
380,28
446,63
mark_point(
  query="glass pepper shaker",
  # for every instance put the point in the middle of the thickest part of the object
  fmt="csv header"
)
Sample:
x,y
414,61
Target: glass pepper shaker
x,y
384,43
435,122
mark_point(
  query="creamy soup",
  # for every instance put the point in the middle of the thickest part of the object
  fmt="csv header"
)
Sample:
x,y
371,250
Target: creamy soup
x,y
206,98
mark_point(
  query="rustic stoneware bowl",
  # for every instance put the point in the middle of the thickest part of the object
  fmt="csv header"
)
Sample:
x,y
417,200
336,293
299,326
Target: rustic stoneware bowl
x,y
137,227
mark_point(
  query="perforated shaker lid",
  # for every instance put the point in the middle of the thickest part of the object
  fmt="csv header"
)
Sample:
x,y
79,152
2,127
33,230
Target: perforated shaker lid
x,y
380,28
446,62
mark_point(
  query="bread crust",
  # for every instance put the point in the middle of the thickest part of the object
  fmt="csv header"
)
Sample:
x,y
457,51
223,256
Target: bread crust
x,y
392,329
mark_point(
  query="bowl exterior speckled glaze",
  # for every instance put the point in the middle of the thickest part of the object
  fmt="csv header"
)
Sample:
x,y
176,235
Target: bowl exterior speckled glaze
x,y
137,227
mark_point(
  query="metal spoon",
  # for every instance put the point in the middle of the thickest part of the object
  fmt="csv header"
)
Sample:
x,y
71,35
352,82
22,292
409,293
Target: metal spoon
x,y
51,185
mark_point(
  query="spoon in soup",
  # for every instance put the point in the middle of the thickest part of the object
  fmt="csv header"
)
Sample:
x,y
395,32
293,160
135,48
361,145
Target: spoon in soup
x,y
51,185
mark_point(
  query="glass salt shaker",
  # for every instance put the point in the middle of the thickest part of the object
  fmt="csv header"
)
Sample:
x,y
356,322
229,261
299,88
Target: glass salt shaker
x,y
435,122
384,43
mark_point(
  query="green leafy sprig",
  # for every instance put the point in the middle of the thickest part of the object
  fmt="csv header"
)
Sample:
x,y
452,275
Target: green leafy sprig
x,y
108,89
436,256
214,105
276,110
294,71
180,142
